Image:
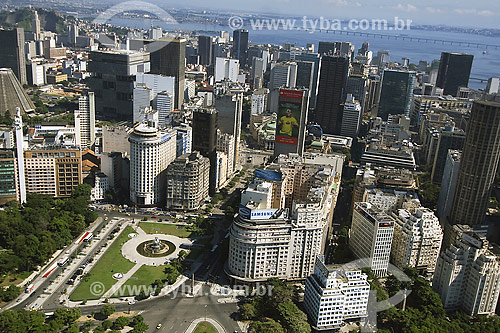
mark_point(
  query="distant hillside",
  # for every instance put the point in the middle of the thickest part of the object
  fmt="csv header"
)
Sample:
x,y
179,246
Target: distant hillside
x,y
49,20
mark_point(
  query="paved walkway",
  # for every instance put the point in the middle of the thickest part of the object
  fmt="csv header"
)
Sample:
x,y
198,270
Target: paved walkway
x,y
195,323
129,249
121,282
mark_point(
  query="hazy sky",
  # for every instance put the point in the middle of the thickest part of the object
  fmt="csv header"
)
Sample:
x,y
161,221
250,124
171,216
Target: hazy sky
x,y
479,13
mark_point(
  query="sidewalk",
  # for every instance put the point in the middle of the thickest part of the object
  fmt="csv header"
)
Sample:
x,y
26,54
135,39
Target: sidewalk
x,y
114,288
195,322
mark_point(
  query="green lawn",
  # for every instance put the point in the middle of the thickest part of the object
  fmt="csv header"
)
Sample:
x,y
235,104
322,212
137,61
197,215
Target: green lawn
x,y
15,279
143,277
110,263
205,327
160,228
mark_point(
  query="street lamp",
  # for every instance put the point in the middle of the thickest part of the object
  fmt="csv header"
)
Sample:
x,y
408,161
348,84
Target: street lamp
x,y
205,312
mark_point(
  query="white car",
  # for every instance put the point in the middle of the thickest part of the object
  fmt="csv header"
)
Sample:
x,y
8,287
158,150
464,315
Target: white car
x,y
131,303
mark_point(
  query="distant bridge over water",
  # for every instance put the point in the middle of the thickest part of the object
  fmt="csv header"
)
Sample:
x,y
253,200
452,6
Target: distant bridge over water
x,y
413,39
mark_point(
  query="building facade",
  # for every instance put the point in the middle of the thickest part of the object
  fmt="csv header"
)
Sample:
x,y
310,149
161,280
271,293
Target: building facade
x,y
371,236
187,181
334,294
151,151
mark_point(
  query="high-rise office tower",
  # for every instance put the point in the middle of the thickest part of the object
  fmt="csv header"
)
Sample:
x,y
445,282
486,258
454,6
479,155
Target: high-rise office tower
x,y
332,82
12,53
205,139
283,75
112,81
170,60
291,122
35,26
364,48
454,72
351,117
305,73
18,123
240,46
493,85
326,48
315,58
151,151
229,105
205,50
9,186
449,138
74,31
396,94
226,69
85,121
448,183
478,164
371,236
357,86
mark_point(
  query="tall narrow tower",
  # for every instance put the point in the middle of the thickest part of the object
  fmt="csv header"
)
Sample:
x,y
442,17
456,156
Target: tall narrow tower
x,y
18,123
478,164
36,26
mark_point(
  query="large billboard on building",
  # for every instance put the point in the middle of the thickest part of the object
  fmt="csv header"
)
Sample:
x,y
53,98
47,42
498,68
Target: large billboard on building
x,y
289,116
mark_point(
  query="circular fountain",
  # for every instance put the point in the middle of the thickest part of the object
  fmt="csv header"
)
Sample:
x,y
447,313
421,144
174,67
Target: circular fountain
x,y
155,248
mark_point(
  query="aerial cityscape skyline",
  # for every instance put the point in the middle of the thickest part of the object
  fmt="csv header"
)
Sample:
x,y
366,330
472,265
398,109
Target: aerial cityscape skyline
x,y
189,170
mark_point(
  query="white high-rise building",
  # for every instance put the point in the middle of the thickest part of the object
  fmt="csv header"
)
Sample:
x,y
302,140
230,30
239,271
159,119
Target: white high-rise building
x,y
142,99
18,123
283,220
417,240
283,75
85,121
189,89
226,69
371,236
36,26
259,101
151,151
164,104
448,183
493,85
467,274
101,185
225,144
351,118
334,294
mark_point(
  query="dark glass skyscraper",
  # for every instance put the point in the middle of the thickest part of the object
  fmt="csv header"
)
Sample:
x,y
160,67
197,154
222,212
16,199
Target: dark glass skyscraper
x,y
326,48
170,60
12,53
396,94
332,83
454,72
205,50
205,139
478,164
240,46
